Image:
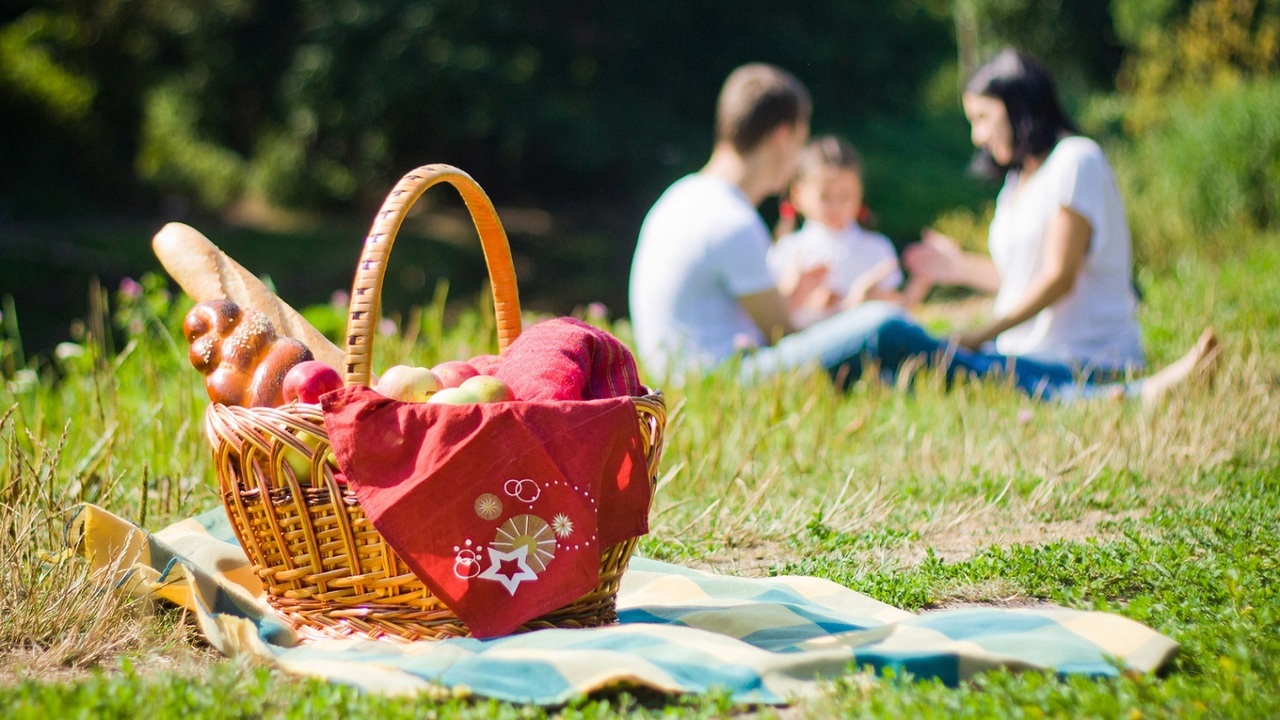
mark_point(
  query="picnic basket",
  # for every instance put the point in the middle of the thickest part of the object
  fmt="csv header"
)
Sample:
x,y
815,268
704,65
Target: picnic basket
x,y
325,569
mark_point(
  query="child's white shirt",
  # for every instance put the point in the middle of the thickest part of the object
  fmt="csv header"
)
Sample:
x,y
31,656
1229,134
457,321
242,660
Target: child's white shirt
x,y
847,252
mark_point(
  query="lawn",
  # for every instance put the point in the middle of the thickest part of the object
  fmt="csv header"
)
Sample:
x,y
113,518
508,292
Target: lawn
x,y
917,497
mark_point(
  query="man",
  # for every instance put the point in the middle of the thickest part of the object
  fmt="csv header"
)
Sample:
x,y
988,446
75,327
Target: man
x,y
700,288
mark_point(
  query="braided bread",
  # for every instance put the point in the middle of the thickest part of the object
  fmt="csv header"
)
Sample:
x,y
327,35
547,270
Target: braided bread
x,y
243,360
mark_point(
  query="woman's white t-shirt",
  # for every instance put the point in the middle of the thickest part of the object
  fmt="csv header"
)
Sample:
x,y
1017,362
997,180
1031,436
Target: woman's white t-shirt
x,y
1095,325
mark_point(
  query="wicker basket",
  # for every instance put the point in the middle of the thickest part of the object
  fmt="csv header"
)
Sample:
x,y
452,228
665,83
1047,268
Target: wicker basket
x,y
324,567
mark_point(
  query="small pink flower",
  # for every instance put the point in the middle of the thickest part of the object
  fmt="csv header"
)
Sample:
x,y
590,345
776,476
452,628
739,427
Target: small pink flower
x,y
597,311
130,288
387,326
1024,416
340,298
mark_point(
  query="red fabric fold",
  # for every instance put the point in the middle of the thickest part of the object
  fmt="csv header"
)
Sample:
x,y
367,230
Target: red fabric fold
x,y
567,359
501,509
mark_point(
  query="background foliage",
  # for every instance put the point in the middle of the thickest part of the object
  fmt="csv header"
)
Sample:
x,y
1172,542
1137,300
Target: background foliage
x,y
150,110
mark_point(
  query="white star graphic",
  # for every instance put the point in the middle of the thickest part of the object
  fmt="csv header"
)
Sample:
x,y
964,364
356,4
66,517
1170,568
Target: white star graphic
x,y
512,581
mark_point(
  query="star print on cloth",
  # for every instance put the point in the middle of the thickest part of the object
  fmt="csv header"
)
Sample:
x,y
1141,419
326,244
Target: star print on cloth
x,y
501,509
509,568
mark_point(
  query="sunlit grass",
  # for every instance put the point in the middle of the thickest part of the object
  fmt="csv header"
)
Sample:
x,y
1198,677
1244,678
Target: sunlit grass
x,y
918,497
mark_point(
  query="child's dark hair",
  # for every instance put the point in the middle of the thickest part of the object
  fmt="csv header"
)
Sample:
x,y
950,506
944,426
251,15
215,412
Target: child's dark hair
x,y
828,151
1036,116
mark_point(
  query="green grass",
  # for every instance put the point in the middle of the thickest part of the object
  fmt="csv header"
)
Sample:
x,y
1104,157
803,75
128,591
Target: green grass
x,y
918,498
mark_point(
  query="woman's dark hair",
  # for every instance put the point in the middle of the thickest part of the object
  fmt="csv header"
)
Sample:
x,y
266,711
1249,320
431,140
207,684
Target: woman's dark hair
x,y
1031,100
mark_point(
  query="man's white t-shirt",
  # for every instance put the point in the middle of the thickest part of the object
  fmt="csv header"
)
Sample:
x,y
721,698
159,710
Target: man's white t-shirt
x,y
701,246
1095,324
846,252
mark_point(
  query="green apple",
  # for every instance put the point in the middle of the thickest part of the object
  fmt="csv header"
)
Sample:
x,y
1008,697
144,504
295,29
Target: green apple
x,y
300,463
454,396
487,388
407,384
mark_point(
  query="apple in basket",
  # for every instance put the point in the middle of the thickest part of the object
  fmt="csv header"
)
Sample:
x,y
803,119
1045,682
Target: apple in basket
x,y
452,373
454,396
301,464
487,388
476,389
407,383
308,380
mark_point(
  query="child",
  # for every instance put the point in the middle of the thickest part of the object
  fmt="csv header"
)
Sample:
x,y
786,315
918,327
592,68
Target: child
x,y
861,265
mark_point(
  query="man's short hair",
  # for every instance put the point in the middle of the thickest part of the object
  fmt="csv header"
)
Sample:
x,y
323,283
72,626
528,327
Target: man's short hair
x,y
756,99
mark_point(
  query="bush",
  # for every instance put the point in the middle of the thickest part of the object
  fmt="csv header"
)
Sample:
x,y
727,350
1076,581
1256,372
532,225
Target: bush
x,y
1210,170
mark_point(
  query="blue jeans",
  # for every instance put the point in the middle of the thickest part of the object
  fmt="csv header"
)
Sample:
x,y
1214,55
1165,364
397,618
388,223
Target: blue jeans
x,y
882,333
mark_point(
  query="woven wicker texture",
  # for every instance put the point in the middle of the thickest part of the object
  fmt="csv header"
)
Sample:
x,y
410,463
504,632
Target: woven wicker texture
x,y
325,568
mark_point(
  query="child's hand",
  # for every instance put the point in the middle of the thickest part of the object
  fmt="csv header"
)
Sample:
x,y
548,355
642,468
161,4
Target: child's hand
x,y
822,299
868,281
798,283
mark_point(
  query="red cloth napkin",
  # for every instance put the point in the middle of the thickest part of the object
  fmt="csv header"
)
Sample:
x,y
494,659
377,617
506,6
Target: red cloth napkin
x,y
567,359
501,509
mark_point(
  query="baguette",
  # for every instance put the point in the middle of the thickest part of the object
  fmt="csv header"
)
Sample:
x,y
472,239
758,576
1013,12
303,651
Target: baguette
x,y
206,273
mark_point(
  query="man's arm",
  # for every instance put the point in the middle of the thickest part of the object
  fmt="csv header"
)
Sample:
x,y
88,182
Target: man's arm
x,y
769,312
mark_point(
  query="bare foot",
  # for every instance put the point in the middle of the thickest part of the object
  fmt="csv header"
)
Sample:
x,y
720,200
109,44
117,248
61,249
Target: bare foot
x,y
1201,360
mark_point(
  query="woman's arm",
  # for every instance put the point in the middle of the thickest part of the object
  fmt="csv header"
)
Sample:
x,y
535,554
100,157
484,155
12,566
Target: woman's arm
x,y
938,258
1066,242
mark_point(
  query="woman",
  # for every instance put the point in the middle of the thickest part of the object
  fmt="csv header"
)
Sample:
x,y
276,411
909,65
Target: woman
x,y
1060,268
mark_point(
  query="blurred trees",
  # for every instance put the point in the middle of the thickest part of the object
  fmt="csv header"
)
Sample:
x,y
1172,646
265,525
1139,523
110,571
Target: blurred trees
x,y
119,105
311,104
112,108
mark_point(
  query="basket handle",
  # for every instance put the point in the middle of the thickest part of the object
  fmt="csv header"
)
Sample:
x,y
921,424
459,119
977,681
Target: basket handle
x,y
366,290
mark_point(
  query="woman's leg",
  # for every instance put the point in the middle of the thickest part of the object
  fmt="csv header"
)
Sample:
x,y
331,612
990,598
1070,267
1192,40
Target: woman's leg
x,y
900,341
882,333
1201,359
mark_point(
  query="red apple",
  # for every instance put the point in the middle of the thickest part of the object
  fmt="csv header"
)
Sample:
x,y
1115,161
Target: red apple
x,y
308,380
453,372
408,384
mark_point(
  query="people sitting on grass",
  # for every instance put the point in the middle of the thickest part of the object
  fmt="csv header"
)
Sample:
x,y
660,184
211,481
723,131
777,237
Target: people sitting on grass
x,y
1065,323
701,293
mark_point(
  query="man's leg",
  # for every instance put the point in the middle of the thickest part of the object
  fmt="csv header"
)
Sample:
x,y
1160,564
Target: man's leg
x,y
838,344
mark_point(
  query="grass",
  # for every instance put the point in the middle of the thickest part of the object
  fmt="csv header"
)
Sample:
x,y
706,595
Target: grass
x,y
918,498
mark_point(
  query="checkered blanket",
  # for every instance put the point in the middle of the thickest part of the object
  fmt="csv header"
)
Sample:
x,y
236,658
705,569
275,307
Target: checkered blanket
x,y
681,631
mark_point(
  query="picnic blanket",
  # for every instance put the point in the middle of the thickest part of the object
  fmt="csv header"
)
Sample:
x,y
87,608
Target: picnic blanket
x,y
766,641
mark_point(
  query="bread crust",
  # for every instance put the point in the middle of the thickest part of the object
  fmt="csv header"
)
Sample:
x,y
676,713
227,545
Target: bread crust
x,y
206,273
242,358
